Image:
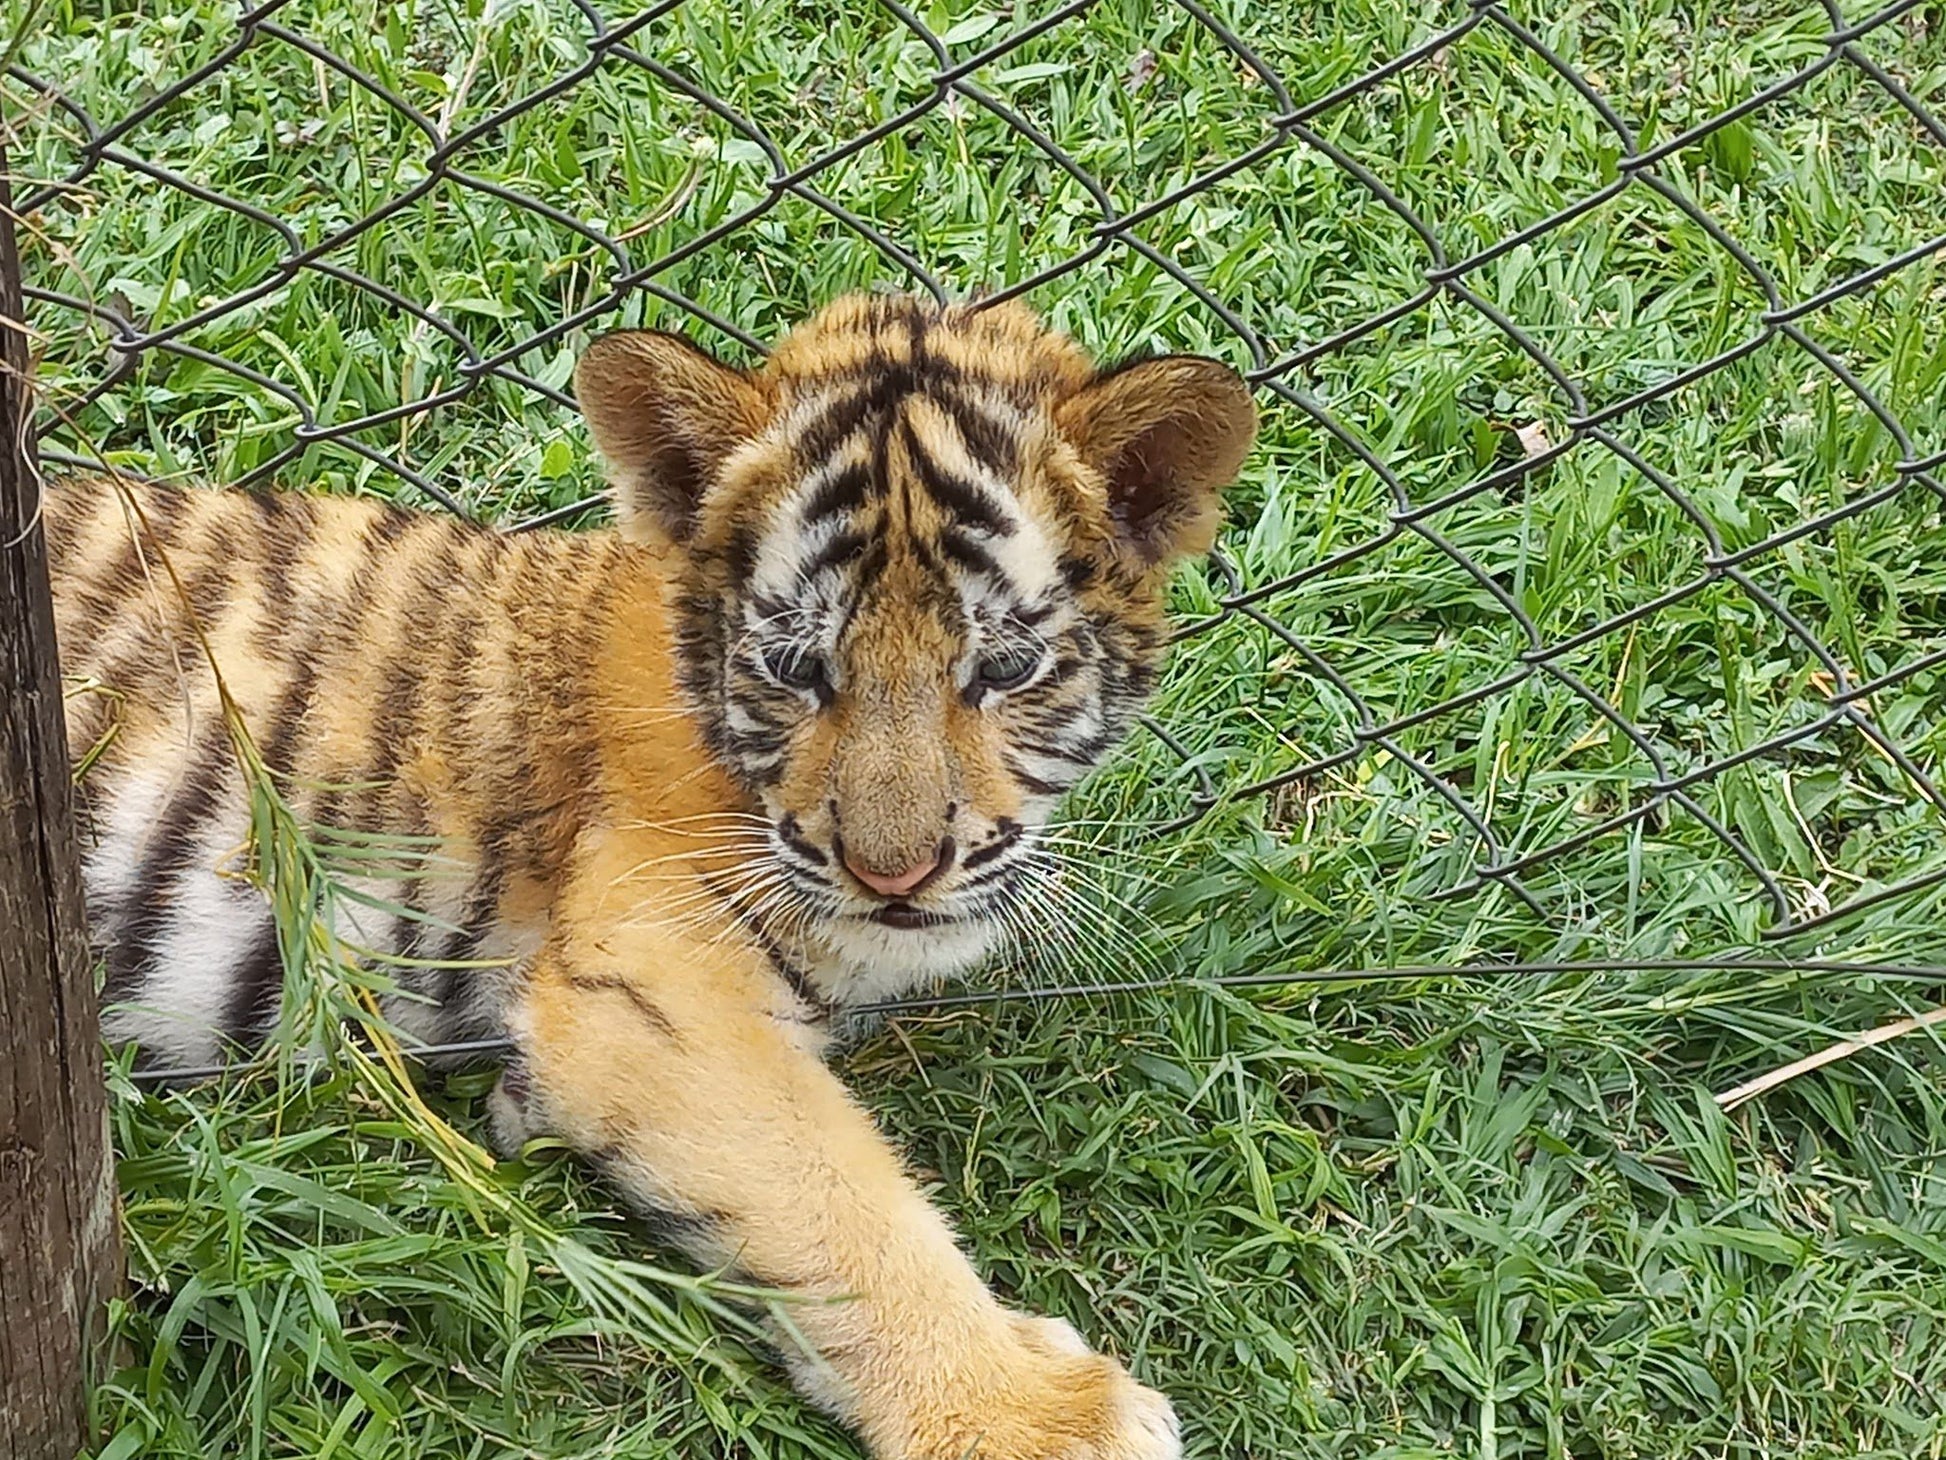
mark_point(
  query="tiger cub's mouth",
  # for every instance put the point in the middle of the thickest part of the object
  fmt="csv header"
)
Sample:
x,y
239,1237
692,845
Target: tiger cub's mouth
x,y
913,928
904,915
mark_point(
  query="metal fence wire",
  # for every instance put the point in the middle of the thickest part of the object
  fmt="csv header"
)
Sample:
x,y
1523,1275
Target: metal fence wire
x,y
1318,699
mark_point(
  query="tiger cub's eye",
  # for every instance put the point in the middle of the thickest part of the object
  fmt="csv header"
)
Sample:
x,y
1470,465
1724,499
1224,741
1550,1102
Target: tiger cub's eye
x,y
796,667
1007,667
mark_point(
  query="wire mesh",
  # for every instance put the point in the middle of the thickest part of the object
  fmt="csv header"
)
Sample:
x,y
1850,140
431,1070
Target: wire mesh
x,y
1443,498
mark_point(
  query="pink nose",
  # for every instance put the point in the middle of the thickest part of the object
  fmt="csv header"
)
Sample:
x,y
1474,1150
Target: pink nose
x,y
896,884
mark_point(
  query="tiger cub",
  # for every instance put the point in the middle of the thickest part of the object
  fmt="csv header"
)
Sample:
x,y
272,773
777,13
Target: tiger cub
x,y
782,744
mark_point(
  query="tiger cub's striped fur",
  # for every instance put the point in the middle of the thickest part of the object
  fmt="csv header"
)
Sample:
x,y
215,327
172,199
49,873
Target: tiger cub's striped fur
x,y
782,744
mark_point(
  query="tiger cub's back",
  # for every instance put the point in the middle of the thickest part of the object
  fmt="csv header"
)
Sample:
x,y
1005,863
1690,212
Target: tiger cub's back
x,y
401,673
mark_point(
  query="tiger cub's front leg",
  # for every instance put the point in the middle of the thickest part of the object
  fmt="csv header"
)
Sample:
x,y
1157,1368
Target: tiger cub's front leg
x,y
651,1053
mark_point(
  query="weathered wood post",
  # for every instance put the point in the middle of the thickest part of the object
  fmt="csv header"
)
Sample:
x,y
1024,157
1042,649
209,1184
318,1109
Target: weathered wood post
x,y
59,1250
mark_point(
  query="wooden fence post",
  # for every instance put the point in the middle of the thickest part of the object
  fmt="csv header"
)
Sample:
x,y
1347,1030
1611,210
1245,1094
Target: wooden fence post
x,y
59,1245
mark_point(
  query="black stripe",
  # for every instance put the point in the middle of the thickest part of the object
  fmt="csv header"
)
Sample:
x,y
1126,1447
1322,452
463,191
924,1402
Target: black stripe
x,y
871,567
755,744
292,708
841,549
843,418
478,917
904,482
766,605
758,707
963,499
397,716
1065,667
741,553
228,561
283,544
1086,753
398,709
612,983
999,873
137,939
102,595
791,834
971,556
1009,832
1033,782
986,440
392,524
843,491
462,676
801,985
763,777
444,592
788,969
162,512
257,986
258,979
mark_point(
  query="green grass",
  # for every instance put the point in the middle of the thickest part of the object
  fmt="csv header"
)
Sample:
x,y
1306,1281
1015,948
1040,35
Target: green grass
x,y
1490,1215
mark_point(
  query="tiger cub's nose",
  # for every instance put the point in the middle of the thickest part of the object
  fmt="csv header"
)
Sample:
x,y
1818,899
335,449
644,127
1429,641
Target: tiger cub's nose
x,y
901,884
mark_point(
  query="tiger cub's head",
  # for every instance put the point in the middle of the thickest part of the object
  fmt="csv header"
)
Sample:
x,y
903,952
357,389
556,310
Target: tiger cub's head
x,y
924,555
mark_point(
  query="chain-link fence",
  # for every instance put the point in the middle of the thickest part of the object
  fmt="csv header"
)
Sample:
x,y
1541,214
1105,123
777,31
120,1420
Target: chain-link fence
x,y
1598,513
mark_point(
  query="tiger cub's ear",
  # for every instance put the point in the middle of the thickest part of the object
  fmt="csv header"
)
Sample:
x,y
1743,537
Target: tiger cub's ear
x,y
664,416
1167,435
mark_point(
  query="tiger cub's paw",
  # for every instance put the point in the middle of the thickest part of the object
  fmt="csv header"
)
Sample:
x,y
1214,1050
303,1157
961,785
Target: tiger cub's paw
x,y
513,1115
1114,1418
1072,1404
